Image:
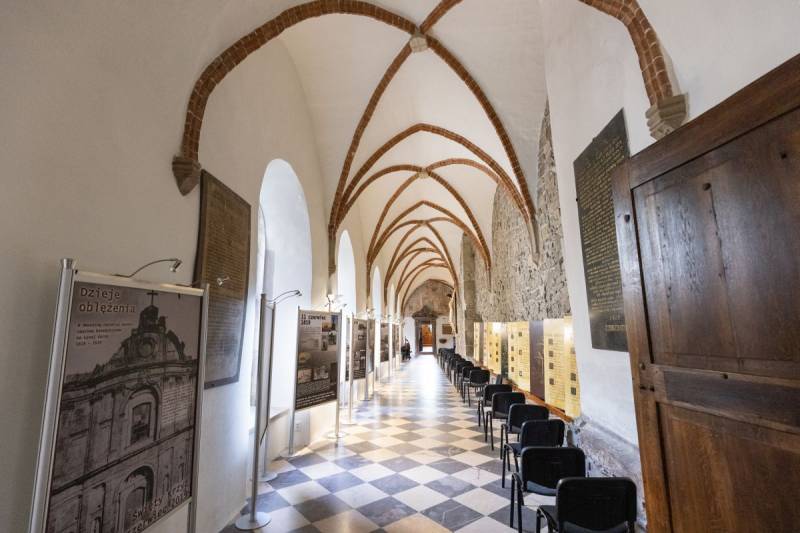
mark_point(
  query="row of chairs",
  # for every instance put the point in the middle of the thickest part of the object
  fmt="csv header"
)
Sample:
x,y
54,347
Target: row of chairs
x,y
542,465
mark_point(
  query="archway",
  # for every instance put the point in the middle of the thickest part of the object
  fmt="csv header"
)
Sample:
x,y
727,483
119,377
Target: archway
x,y
284,263
377,309
346,274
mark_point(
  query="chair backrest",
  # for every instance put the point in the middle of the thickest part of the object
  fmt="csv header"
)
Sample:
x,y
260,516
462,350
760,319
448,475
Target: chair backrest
x,y
596,502
478,376
546,466
521,413
490,390
541,432
466,369
502,401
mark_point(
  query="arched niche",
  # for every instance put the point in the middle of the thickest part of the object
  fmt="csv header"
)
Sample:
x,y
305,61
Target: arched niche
x,y
284,263
346,273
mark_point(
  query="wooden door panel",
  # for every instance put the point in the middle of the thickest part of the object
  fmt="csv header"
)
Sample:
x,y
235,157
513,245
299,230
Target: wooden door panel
x,y
708,226
721,276
727,476
683,270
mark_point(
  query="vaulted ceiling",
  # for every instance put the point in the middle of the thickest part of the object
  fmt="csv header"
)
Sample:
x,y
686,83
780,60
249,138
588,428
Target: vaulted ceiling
x,y
412,145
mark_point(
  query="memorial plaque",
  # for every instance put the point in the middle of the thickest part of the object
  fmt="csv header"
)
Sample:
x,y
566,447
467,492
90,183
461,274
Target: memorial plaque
x,y
598,234
223,255
572,388
519,355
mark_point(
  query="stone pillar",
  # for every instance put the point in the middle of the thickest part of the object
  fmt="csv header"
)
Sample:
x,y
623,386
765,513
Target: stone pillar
x,y
469,314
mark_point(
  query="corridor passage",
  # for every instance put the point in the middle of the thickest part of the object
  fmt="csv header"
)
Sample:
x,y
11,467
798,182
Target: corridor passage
x,y
414,461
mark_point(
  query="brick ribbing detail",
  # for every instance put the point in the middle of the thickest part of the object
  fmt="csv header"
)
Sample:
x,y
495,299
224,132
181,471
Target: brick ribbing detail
x,y
441,181
409,253
399,250
379,239
493,117
411,284
413,168
216,71
645,41
430,263
447,134
433,17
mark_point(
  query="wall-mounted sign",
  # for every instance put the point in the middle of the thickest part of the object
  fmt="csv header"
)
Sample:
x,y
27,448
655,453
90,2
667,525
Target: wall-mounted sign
x,y
555,362
360,336
118,442
519,355
598,234
477,342
223,253
318,351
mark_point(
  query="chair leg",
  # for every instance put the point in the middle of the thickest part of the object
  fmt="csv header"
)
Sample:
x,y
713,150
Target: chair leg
x,y
520,503
485,427
479,413
502,448
516,463
503,479
491,431
511,507
538,520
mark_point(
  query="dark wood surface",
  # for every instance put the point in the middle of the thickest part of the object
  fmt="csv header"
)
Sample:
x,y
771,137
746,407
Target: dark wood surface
x,y
708,228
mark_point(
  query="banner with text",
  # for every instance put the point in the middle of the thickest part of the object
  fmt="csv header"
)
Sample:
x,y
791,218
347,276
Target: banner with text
x,y
318,350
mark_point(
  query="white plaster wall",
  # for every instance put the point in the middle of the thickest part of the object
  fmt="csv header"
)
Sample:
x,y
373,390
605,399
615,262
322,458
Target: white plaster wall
x,y
93,103
717,47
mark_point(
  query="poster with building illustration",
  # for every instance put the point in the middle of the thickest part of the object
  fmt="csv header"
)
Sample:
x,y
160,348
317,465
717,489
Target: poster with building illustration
x,y
124,443
318,347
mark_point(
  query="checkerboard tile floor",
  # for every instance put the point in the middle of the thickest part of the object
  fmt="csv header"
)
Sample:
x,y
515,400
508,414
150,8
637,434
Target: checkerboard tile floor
x,y
413,461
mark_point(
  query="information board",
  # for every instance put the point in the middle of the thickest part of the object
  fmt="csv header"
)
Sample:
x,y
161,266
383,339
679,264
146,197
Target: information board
x,y
555,362
359,348
384,342
124,403
318,352
519,355
477,343
572,392
494,334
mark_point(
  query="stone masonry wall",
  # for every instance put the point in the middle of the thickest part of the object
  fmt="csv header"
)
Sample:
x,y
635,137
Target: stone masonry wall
x,y
520,288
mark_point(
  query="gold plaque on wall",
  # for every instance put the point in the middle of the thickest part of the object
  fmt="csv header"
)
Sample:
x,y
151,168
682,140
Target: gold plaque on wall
x,y
554,362
572,389
519,355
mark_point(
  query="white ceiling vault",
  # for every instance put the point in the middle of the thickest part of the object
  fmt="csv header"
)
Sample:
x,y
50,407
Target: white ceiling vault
x,y
341,59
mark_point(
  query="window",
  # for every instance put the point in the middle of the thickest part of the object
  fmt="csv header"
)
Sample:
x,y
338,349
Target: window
x,y
140,423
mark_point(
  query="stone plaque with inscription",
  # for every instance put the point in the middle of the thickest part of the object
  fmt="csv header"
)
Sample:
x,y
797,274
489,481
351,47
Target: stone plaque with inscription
x,y
598,234
223,256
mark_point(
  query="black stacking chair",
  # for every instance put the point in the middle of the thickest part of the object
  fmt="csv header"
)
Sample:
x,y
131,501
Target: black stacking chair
x,y
541,468
501,404
456,370
548,433
498,379
477,380
585,504
518,415
453,361
462,376
486,399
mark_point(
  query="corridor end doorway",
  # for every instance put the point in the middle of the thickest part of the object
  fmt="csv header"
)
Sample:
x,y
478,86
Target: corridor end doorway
x,y
426,337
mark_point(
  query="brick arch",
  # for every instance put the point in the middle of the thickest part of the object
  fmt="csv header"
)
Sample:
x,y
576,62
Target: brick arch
x,y
379,239
441,181
413,168
186,166
400,252
431,263
447,134
409,290
645,41
409,253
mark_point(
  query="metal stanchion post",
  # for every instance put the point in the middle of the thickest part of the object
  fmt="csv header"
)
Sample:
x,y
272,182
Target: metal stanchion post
x,y
255,520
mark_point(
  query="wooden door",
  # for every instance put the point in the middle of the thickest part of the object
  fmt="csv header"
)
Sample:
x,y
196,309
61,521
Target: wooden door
x,y
427,335
708,224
